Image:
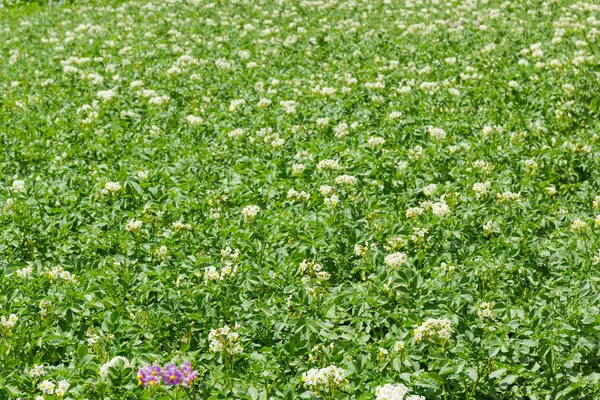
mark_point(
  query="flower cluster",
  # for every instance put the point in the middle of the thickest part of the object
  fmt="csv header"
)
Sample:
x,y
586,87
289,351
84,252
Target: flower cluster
x,y
104,368
225,339
212,274
312,269
327,379
60,273
485,310
171,375
395,260
24,272
250,212
49,387
10,322
434,329
395,392
111,188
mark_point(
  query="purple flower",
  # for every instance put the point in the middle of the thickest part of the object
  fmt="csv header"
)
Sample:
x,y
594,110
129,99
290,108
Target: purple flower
x,y
152,375
189,375
149,375
172,376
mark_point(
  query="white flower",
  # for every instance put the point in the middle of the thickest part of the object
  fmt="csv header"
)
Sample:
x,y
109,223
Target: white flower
x,y
345,180
481,188
326,190
294,194
24,272
235,105
194,120
112,187
391,392
506,196
322,121
47,387
578,226
324,165
159,100
37,370
399,345
142,175
63,387
9,322
105,367
323,378
395,115
437,133
375,141
134,225
250,212
297,169
440,209
429,189
18,186
434,329
395,260
162,251
224,338
106,95
332,201
414,212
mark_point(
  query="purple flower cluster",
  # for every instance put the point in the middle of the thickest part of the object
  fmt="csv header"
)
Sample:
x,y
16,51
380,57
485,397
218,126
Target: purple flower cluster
x,y
152,375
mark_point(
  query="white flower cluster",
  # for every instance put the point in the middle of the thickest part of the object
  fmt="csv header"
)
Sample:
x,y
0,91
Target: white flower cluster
x,y
111,188
180,226
345,180
485,310
48,387
395,392
481,188
250,212
224,338
296,195
9,322
429,189
298,169
414,212
328,164
24,272
212,274
18,186
579,226
440,209
434,329
114,361
309,267
395,260
437,133
37,370
332,201
194,120
134,225
320,379
229,253
506,196
60,273
375,141
363,250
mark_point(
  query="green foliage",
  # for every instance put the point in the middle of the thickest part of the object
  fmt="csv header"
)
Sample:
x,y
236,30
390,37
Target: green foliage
x,y
410,161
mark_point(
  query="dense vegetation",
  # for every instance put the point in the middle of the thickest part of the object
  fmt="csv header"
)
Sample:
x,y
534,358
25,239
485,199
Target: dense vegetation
x,y
349,199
